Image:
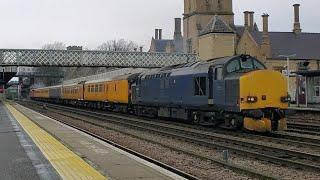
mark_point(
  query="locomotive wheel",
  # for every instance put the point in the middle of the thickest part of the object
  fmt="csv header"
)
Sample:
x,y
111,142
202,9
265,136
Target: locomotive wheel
x,y
195,118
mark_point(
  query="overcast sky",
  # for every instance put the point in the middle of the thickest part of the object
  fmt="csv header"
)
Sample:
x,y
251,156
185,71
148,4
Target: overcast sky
x,y
32,23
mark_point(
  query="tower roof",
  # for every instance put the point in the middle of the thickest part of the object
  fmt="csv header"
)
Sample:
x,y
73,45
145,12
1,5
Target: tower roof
x,y
217,25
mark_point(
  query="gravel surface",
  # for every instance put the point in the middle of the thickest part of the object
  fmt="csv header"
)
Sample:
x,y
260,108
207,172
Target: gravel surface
x,y
197,167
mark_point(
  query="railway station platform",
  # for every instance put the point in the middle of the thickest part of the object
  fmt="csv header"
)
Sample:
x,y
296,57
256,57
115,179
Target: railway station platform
x,y
34,146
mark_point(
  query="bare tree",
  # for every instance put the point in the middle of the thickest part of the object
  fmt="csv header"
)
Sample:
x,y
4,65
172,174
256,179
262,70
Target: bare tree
x,y
55,46
119,45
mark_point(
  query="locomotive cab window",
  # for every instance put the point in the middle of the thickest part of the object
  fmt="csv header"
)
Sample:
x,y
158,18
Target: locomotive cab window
x,y
233,66
200,84
244,64
258,65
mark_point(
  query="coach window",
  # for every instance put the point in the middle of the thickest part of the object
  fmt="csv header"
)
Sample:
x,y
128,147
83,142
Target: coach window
x,y
200,84
100,87
97,88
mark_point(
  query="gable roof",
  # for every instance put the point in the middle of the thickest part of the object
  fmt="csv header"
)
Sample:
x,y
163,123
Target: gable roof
x,y
239,30
304,45
217,25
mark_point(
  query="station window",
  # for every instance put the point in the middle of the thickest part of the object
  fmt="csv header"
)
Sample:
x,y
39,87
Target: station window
x,y
200,84
317,91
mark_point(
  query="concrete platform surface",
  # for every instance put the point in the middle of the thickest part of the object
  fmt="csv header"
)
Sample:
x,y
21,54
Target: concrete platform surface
x,y
67,164
20,158
110,161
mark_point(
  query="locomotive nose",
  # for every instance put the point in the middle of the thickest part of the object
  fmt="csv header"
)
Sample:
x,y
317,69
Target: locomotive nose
x,y
263,89
266,92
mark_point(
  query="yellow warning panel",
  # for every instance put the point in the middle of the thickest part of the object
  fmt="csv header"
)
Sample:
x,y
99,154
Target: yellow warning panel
x,y
67,164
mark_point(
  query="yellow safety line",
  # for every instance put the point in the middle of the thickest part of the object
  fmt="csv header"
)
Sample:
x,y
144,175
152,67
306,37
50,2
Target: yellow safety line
x,y
66,163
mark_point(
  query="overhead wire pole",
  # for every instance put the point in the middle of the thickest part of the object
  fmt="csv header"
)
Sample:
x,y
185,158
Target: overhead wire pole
x,y
288,67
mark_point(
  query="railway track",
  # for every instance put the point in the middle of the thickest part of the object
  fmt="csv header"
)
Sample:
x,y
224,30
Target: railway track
x,y
305,128
236,145
237,168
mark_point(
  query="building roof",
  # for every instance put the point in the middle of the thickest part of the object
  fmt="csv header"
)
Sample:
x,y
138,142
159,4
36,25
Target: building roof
x,y
239,30
161,44
304,45
217,25
313,73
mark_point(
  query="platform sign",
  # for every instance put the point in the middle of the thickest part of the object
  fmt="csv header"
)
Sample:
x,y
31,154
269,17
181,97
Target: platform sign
x,y
285,73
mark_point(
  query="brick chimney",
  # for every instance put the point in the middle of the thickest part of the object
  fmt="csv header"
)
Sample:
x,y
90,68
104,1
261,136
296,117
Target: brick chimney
x,y
156,34
246,19
251,21
160,34
296,25
177,29
265,46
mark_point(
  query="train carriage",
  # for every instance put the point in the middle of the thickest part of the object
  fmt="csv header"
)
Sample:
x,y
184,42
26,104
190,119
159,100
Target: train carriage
x,y
72,93
55,93
113,94
40,93
96,91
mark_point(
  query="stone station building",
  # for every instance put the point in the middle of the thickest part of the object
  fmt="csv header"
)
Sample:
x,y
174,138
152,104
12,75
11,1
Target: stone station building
x,y
210,32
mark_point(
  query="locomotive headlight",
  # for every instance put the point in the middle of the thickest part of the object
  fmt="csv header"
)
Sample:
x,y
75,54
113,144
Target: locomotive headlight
x,y
252,99
286,99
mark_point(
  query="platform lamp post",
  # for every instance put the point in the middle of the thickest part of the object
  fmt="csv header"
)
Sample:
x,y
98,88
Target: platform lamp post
x,y
288,67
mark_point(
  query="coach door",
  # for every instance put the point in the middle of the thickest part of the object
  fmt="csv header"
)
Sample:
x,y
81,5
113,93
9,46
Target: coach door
x,y
210,77
218,87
